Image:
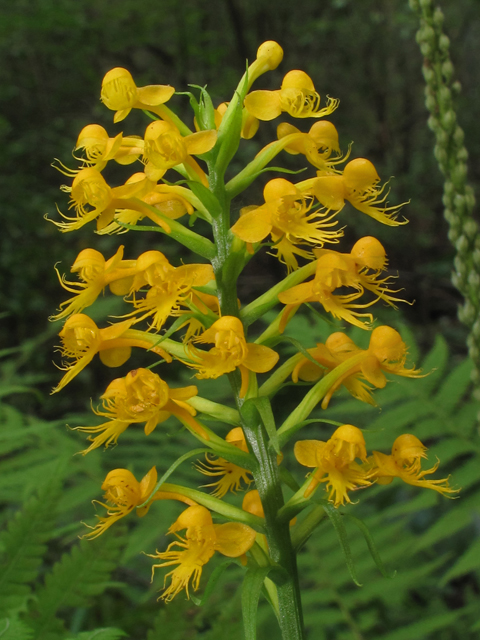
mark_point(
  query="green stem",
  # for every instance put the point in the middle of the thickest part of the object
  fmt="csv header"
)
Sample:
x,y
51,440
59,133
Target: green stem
x,y
296,419
267,479
227,266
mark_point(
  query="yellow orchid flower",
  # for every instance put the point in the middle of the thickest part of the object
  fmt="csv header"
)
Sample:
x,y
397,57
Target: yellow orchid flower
x,y
231,350
405,462
93,199
287,218
386,353
165,148
366,261
202,539
165,198
142,396
317,145
333,271
96,273
334,463
359,269
169,287
231,475
100,148
121,94
297,97
359,185
124,493
82,339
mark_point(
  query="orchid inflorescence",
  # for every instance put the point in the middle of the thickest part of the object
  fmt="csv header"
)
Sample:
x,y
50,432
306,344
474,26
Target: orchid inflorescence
x,y
299,223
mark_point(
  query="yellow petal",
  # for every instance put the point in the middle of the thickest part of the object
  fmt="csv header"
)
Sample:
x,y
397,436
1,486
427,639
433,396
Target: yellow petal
x,y
309,452
191,517
307,371
260,358
264,105
296,79
121,115
115,357
233,539
373,373
148,482
155,94
184,393
197,275
254,226
122,286
297,294
330,191
115,330
201,142
278,188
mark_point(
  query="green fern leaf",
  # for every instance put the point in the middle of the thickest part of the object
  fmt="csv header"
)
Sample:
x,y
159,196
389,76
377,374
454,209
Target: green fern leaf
x,y
454,386
80,575
424,627
11,628
24,543
107,633
468,562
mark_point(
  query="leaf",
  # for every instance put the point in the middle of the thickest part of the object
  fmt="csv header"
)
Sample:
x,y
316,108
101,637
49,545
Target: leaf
x,y
264,408
469,561
171,469
336,519
11,628
251,588
206,197
454,387
24,542
371,546
424,627
434,364
79,576
105,633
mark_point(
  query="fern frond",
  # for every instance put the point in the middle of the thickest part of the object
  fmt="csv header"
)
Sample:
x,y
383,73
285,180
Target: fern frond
x,y
24,541
107,633
11,628
80,575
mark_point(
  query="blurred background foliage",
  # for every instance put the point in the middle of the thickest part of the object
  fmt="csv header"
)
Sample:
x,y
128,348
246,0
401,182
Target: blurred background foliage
x,y
54,54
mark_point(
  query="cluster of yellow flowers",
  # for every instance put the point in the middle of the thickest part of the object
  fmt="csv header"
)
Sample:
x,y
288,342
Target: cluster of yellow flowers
x,y
296,221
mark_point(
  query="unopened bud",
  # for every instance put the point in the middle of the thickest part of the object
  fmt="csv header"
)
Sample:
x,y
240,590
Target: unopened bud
x,y
438,17
443,43
449,119
459,174
447,70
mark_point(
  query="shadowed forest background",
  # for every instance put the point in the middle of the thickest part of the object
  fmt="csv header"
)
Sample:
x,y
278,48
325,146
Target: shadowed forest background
x,y
54,54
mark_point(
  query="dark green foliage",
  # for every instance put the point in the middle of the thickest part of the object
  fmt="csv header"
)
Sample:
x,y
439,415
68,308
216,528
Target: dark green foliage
x,y
23,544
81,575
